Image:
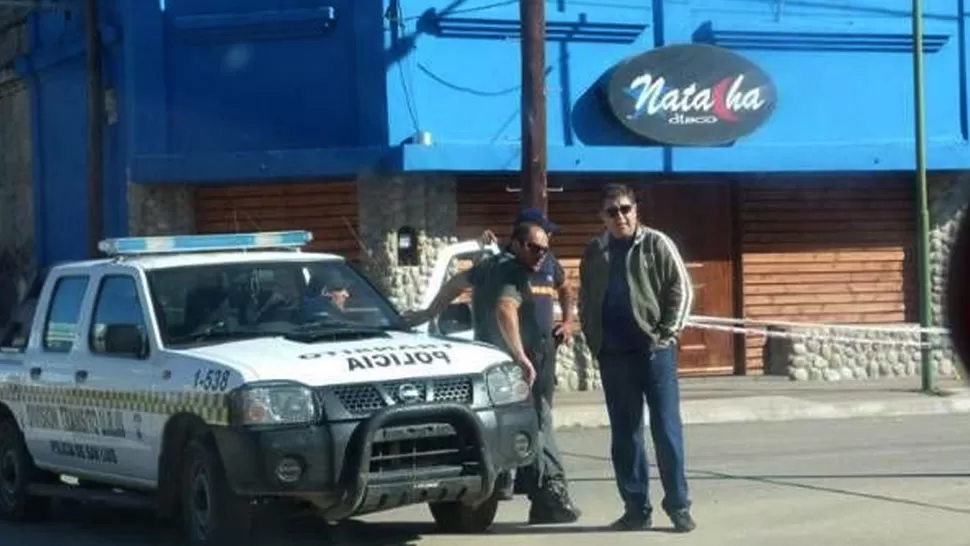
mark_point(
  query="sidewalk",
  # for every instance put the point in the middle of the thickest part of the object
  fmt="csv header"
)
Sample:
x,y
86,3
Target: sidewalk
x,y
739,399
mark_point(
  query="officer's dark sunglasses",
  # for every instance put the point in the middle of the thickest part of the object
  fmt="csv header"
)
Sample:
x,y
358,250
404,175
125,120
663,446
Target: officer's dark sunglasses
x,y
536,249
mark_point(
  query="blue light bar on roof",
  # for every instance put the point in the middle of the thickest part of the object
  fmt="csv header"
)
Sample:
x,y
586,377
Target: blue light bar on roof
x,y
177,244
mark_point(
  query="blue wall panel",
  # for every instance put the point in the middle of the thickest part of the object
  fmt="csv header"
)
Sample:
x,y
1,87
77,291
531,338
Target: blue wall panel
x,y
843,72
456,74
461,81
294,88
844,77
262,80
55,71
62,153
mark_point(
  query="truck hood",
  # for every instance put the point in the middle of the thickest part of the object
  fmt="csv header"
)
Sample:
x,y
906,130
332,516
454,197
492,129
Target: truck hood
x,y
402,355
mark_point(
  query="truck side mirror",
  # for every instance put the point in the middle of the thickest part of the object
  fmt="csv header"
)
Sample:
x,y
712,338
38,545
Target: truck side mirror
x,y
457,317
125,339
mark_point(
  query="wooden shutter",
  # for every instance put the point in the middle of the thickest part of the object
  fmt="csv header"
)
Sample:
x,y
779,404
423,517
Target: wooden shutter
x,y
837,251
329,210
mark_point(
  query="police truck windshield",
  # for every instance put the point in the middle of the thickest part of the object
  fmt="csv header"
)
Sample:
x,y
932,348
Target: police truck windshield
x,y
224,302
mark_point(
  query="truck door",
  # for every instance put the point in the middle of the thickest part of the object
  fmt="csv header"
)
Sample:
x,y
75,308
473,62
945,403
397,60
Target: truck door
x,y
457,320
115,377
49,376
14,339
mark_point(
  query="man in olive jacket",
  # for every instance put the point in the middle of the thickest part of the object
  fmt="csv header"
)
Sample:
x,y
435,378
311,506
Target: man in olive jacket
x,y
635,296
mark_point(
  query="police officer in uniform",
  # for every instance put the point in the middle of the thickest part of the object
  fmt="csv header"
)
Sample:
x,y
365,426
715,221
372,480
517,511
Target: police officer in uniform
x,y
544,481
547,284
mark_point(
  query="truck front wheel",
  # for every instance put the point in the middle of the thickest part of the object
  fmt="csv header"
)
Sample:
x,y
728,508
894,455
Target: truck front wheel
x,y
459,518
17,471
212,513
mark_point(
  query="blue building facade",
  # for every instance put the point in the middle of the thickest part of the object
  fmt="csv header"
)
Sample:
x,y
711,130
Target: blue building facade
x,y
234,93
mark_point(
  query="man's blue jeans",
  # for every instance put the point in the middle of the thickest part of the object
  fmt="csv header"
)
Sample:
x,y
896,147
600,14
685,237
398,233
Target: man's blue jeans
x,y
628,378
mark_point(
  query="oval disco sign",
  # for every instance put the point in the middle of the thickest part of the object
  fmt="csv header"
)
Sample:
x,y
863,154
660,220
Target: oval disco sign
x,y
691,94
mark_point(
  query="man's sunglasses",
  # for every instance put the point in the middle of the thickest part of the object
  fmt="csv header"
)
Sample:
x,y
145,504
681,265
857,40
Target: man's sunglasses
x,y
538,250
615,212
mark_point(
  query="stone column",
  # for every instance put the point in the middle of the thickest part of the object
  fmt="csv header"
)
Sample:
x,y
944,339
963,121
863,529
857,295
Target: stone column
x,y
160,210
949,195
426,202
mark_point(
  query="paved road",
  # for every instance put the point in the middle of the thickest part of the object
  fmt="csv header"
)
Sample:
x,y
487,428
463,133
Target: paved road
x,y
854,482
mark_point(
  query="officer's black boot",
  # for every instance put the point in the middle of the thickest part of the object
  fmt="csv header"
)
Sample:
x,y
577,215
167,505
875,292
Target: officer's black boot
x,y
553,505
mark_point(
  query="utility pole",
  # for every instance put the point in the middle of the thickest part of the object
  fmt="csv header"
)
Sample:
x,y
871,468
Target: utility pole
x,y
927,369
95,117
534,162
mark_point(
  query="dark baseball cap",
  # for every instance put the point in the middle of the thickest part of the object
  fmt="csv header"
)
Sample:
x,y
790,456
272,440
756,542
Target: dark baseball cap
x,y
327,280
535,216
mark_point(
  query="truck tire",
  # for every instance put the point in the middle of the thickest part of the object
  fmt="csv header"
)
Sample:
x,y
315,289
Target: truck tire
x,y
17,471
459,518
213,515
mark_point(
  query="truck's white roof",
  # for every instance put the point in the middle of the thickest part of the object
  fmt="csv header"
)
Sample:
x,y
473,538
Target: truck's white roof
x,y
161,261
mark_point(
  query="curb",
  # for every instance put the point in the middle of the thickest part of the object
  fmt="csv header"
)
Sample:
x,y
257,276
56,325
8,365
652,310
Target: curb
x,y
773,408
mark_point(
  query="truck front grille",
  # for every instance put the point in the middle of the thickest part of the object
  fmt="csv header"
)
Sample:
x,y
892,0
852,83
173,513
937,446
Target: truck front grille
x,y
429,445
366,399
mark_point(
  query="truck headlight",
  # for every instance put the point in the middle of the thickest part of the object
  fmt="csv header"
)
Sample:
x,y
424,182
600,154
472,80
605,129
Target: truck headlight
x,y
276,404
506,384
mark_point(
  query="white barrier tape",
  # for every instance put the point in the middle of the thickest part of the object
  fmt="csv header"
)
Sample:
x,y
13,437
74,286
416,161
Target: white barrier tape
x,y
795,335
819,326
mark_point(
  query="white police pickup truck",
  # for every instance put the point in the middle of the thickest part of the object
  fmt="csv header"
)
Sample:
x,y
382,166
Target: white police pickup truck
x,y
212,376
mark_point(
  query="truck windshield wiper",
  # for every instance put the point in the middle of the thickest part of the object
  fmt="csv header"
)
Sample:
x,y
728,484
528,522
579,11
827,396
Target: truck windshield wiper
x,y
220,331
322,329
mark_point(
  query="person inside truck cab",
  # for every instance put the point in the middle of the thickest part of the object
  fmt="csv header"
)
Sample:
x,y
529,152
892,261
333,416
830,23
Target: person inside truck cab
x,y
331,286
339,293
327,294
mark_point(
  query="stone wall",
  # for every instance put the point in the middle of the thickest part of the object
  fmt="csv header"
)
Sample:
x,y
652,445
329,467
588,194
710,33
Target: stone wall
x,y
160,210
949,197
576,369
16,201
868,355
896,354
424,202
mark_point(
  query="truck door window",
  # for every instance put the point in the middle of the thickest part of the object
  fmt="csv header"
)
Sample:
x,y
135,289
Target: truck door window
x,y
117,303
64,313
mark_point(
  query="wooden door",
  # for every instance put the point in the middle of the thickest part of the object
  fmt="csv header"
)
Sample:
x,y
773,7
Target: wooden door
x,y
698,217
